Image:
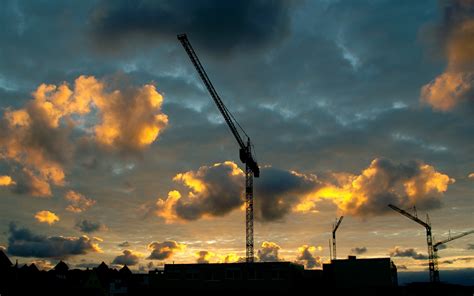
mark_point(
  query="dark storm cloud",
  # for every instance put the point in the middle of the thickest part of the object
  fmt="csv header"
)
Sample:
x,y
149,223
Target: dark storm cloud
x,y
128,258
218,26
88,226
359,250
24,243
410,252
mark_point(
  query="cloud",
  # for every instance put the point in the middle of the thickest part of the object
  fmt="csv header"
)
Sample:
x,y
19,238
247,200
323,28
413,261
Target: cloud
x,y
399,252
231,258
359,250
456,34
128,258
278,191
269,252
79,202
234,25
448,90
216,190
24,243
41,137
46,217
88,226
125,244
471,176
204,256
402,267
164,250
212,191
383,182
306,257
470,247
42,264
6,181
458,259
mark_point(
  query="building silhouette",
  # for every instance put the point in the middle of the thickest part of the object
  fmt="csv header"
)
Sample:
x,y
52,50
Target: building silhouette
x,y
352,276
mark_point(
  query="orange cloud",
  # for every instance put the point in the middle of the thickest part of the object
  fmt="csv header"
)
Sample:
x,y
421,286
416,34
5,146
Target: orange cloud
x,y
38,136
204,256
212,191
383,182
164,250
307,258
79,202
269,252
165,207
456,84
447,90
46,217
6,181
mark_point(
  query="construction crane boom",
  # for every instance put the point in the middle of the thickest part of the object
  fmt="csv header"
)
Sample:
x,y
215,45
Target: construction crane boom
x,y
432,261
245,151
334,229
451,238
410,216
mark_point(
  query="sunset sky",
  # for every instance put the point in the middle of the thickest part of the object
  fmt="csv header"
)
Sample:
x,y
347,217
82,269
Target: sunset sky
x,y
112,150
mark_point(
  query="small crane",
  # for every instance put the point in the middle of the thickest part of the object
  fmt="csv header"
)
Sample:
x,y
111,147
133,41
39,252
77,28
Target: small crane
x,y
450,238
432,262
245,152
334,229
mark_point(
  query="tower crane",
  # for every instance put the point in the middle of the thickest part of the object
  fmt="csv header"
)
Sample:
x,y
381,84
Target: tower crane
x,y
450,238
334,229
432,262
245,151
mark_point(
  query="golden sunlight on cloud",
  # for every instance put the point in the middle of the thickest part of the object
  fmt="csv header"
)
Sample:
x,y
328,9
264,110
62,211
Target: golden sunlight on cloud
x,y
306,256
204,256
79,202
447,90
39,138
456,84
218,189
471,176
383,182
6,181
165,208
164,250
46,217
212,191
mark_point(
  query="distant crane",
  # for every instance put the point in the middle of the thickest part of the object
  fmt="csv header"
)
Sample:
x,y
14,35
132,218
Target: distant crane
x,y
245,152
432,262
334,229
450,238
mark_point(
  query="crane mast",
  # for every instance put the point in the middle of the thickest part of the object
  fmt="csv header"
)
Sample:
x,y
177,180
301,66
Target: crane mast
x,y
245,151
432,262
334,229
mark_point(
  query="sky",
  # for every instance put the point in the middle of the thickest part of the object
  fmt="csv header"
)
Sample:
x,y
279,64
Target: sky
x,y
112,150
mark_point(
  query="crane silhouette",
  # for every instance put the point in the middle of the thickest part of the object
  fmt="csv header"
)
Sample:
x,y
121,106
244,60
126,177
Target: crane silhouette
x,y
245,151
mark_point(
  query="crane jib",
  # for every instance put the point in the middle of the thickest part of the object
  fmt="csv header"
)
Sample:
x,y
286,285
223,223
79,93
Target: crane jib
x,y
245,149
